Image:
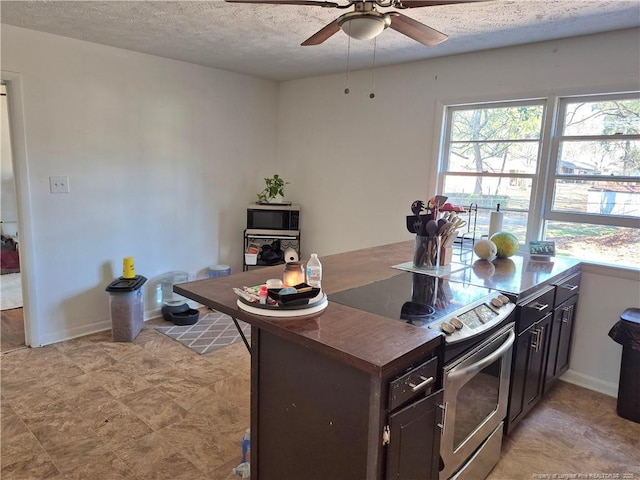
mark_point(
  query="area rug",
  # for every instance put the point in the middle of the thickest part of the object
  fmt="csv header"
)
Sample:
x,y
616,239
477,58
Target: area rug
x,y
214,330
10,291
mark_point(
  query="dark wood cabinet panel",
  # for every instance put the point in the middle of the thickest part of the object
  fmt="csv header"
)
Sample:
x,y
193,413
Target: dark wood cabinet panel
x,y
560,341
518,376
543,348
321,419
566,288
412,454
528,370
530,311
535,366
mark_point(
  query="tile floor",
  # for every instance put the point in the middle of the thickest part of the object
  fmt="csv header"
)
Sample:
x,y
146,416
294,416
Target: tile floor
x,y
153,409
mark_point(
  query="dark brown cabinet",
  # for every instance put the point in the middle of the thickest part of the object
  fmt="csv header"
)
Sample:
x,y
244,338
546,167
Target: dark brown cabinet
x,y
544,324
412,436
528,370
533,320
412,453
561,336
321,419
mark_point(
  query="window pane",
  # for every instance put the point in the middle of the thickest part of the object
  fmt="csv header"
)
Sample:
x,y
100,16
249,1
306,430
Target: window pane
x,y
607,198
494,157
505,123
601,157
617,245
514,222
488,191
602,118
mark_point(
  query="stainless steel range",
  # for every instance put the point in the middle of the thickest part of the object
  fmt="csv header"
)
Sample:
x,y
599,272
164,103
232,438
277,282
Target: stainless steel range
x,y
478,327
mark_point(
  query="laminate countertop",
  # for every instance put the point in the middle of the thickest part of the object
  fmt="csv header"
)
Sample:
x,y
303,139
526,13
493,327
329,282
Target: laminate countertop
x,y
372,343
519,275
364,340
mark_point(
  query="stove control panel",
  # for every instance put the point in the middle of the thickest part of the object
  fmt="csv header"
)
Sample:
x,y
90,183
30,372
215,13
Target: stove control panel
x,y
475,318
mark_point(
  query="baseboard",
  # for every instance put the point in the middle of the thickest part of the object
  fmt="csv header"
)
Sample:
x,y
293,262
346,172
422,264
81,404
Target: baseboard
x,y
98,327
592,383
72,333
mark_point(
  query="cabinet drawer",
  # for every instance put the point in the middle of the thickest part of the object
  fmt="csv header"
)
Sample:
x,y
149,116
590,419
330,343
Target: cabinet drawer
x,y
534,309
566,288
420,381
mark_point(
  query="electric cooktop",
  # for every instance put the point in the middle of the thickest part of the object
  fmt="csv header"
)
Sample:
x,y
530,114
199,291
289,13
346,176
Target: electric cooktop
x,y
458,309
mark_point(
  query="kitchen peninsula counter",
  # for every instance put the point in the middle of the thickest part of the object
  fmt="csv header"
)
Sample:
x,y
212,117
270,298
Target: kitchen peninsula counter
x,y
365,341
323,385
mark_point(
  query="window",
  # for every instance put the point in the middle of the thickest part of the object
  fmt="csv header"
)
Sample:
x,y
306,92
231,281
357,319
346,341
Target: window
x,y
566,170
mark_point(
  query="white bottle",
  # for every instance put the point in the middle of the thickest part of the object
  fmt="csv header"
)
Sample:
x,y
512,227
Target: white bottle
x,y
314,271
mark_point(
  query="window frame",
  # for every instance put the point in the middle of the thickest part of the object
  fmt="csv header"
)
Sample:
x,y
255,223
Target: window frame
x,y
537,186
544,179
548,213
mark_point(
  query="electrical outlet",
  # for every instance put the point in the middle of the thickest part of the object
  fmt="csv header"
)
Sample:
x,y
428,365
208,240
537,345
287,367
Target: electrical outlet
x,y
59,184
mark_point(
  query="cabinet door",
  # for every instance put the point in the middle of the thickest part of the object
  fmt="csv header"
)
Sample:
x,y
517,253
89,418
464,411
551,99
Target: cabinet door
x,y
554,341
528,370
567,317
414,440
560,342
518,376
535,376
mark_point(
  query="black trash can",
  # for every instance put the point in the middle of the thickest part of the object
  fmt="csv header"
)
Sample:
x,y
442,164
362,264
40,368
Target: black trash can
x,y
626,332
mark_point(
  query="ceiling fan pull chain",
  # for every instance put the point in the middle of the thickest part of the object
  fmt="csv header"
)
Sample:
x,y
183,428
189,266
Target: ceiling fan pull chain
x,y
373,71
346,90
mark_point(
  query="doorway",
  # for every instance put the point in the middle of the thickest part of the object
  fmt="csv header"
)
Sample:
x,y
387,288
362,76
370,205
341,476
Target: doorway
x,y
12,329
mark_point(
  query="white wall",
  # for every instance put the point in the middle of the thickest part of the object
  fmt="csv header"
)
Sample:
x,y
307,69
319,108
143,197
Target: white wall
x,y
604,294
356,164
162,156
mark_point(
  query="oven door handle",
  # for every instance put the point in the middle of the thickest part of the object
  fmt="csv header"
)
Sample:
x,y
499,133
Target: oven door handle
x,y
475,367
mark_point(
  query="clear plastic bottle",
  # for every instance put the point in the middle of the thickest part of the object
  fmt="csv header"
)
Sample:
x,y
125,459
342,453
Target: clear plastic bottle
x,y
314,271
263,295
243,470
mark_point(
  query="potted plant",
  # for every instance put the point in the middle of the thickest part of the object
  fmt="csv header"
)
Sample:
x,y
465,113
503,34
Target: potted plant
x,y
274,190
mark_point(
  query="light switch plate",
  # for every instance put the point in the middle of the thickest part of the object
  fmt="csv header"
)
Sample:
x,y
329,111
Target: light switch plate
x,y
59,184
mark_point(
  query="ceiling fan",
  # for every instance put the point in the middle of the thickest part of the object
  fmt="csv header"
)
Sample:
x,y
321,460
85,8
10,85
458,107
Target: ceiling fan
x,y
365,22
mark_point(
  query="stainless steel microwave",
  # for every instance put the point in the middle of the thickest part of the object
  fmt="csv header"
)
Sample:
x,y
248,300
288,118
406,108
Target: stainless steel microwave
x,y
273,218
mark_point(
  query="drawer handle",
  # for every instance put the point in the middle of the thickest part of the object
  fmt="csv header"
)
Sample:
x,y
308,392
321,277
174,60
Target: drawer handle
x,y
539,306
571,288
421,385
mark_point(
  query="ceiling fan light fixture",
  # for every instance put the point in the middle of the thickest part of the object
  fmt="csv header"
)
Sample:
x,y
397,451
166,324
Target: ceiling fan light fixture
x,y
364,26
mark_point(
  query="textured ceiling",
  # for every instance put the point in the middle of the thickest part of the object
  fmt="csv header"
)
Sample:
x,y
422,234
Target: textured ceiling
x,y
264,40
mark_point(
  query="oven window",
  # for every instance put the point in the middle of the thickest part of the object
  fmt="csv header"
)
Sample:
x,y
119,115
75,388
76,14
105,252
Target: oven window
x,y
476,400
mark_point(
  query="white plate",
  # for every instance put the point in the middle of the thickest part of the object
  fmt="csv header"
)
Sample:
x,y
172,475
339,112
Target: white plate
x,y
284,313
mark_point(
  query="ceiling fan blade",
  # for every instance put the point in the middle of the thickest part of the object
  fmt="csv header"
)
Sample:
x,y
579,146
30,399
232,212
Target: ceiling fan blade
x,y
319,3
434,3
322,34
418,31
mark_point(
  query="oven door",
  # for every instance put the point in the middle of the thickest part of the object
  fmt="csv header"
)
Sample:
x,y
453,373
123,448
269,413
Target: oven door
x,y
476,391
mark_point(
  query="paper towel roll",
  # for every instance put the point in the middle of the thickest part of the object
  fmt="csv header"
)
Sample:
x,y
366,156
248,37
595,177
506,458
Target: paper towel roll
x,y
290,255
495,222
